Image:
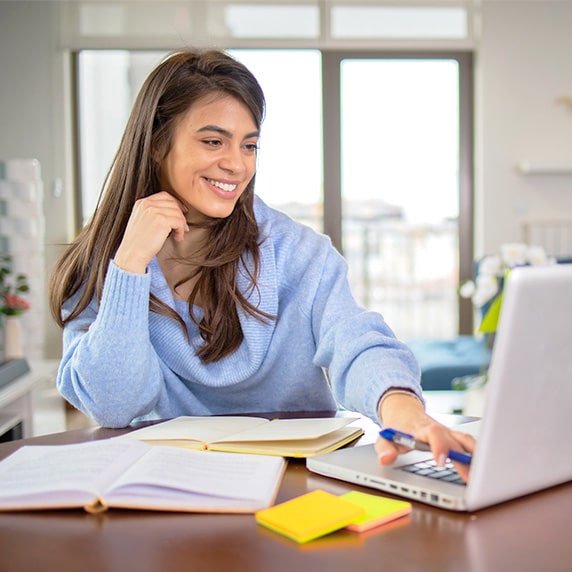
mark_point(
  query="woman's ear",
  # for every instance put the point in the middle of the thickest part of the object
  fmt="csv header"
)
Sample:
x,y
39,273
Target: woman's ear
x,y
157,155
159,147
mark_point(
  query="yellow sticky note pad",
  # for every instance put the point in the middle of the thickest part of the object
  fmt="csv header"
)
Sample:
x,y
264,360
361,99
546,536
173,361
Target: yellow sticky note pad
x,y
309,516
378,510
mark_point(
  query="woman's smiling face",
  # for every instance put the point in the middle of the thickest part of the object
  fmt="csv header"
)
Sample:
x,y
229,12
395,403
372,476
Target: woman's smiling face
x,y
213,156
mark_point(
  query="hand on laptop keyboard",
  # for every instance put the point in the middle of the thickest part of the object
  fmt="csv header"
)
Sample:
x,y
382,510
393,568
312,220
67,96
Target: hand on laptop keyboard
x,y
406,413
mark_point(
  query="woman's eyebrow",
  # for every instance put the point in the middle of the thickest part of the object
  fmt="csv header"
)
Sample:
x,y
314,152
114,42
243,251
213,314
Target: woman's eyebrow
x,y
225,132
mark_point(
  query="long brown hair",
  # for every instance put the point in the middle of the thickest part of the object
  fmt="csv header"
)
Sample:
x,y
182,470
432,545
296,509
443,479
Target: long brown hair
x,y
167,94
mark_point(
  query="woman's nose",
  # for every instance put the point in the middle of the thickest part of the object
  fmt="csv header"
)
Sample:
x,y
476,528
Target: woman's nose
x,y
233,160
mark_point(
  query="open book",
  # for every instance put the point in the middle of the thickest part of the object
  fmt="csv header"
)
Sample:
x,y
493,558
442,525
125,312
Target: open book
x,y
131,474
283,437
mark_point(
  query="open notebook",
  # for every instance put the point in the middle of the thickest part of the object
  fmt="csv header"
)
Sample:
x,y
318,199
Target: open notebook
x,y
525,434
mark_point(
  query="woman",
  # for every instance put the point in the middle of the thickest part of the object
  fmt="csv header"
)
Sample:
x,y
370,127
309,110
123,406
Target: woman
x,y
187,295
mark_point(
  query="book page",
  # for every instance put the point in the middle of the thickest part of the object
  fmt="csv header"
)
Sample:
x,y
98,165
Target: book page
x,y
61,475
133,474
290,429
200,429
173,477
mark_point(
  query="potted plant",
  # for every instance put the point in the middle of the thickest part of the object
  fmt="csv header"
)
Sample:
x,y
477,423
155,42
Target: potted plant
x,y
486,294
12,306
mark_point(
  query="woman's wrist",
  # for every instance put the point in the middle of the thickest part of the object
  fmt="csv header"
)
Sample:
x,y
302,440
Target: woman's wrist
x,y
398,401
129,264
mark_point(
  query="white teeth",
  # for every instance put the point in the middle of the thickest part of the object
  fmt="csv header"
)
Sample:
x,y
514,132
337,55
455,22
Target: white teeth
x,y
224,186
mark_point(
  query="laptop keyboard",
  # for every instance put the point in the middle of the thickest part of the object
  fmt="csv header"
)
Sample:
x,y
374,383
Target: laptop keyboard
x,y
431,470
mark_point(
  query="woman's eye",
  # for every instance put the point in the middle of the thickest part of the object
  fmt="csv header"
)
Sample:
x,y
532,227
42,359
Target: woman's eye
x,y
251,147
211,142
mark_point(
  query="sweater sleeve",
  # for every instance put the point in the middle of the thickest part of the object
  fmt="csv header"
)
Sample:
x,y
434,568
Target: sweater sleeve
x,y
363,356
109,369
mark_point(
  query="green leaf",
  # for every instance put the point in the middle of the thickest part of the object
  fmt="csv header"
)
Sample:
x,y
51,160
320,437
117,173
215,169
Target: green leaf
x,y
490,321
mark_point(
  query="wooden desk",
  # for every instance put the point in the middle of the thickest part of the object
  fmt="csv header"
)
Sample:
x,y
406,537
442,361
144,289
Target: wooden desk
x,y
530,534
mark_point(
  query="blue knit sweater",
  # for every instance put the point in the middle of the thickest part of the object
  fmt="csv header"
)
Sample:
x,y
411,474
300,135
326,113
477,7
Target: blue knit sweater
x,y
122,363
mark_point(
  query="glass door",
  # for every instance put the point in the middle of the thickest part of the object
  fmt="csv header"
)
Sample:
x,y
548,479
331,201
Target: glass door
x,y
400,177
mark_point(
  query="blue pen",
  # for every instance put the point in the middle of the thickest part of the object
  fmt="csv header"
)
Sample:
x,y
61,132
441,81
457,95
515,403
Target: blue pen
x,y
409,441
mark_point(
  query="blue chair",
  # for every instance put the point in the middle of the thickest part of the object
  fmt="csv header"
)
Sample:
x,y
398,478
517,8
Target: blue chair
x,y
441,361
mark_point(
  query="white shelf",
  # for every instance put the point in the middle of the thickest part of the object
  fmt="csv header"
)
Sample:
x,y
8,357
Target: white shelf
x,y
545,167
8,422
17,397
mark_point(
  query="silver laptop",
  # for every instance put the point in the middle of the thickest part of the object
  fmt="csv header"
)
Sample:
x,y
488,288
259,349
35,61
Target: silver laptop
x,y
525,436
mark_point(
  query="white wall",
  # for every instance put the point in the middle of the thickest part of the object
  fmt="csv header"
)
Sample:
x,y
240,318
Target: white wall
x,y
524,63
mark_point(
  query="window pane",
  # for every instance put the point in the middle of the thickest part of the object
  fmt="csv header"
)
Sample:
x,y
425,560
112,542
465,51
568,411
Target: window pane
x,y
398,23
289,174
272,21
400,148
132,19
103,112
